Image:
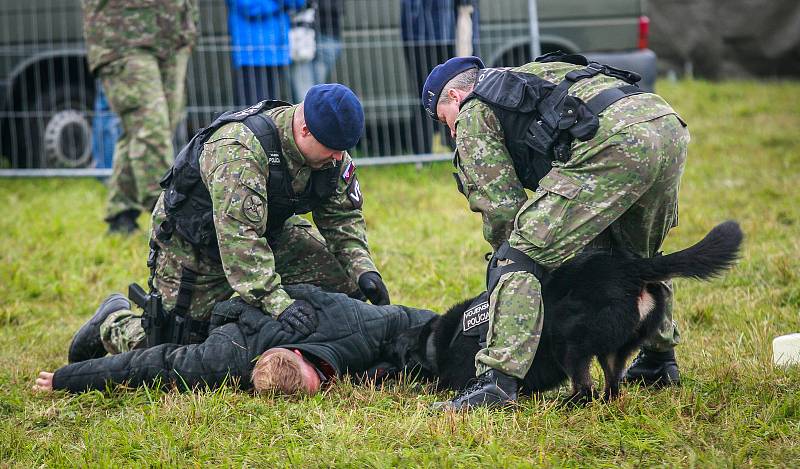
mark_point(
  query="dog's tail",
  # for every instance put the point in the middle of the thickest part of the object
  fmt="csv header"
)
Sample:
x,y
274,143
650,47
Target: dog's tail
x,y
714,254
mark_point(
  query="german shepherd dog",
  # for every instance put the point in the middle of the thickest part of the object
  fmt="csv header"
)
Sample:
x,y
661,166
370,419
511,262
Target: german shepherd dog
x,y
596,305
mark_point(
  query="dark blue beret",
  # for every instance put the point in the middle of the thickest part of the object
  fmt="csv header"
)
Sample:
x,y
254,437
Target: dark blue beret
x,y
439,77
334,116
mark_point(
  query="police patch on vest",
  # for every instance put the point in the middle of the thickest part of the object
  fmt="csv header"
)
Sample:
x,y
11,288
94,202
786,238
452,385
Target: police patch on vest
x,y
274,158
354,193
475,316
253,208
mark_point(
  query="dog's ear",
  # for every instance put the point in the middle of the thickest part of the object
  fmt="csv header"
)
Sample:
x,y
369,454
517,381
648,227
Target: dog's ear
x,y
458,309
410,346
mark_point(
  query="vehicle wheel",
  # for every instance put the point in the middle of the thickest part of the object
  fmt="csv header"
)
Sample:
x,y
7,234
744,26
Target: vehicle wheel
x,y
56,130
68,140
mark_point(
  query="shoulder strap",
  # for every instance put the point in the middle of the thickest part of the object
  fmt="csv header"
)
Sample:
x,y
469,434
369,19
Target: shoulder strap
x,y
610,96
560,56
266,133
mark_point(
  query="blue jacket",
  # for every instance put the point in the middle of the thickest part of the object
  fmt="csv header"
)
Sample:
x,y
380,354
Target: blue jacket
x,y
259,30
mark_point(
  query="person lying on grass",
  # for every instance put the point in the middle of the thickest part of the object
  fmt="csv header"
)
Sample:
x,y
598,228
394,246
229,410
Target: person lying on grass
x,y
255,350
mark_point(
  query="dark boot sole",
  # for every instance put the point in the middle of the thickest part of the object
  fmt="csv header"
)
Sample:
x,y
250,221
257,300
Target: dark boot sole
x,y
655,383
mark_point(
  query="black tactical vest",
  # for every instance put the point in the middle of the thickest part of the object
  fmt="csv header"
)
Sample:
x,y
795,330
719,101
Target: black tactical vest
x,y
188,203
540,119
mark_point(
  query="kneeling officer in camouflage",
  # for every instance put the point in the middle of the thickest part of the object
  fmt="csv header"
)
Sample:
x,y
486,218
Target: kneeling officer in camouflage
x,y
226,222
604,161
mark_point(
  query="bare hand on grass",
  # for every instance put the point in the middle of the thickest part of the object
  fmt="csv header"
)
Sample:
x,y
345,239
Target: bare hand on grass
x,y
44,382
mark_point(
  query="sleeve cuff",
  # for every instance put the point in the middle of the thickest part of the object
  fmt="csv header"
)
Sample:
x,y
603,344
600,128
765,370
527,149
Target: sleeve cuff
x,y
276,302
359,262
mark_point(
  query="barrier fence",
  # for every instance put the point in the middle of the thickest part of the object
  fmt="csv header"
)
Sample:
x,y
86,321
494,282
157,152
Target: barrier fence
x,y
55,120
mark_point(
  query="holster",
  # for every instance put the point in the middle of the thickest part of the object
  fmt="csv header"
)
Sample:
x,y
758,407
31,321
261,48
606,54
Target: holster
x,y
175,327
155,321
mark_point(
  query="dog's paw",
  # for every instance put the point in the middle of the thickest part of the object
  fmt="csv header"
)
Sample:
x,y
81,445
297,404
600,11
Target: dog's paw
x,y
580,398
611,394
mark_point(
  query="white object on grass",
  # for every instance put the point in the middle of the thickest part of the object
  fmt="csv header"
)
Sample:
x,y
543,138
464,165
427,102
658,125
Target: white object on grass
x,y
786,350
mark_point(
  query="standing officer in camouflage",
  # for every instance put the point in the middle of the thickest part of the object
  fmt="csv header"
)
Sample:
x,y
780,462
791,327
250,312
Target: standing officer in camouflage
x,y
140,53
225,222
604,160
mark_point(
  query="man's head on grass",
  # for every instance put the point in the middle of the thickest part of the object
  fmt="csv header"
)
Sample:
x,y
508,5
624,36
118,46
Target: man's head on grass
x,y
285,371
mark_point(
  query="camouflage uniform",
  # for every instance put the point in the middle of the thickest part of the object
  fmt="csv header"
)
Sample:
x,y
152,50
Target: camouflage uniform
x,y
234,168
621,183
140,53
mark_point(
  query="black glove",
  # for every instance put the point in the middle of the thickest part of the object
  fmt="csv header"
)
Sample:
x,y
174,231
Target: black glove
x,y
371,284
300,316
228,311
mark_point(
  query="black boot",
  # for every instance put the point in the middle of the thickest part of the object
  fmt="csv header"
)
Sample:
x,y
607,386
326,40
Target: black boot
x,y
124,222
86,343
492,389
657,369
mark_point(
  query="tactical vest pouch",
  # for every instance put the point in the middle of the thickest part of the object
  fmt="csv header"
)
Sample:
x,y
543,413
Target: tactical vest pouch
x,y
325,181
511,91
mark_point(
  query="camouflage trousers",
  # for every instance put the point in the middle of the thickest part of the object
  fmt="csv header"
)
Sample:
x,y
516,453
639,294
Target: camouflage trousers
x,y
626,188
301,256
148,95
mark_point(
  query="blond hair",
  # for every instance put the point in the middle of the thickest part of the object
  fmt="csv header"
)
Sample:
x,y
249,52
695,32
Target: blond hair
x,y
279,371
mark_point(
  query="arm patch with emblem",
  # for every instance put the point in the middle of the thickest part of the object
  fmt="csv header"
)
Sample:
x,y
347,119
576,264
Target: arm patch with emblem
x,y
354,193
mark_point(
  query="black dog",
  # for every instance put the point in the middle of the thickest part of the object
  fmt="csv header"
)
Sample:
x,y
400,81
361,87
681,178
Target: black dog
x,y
596,305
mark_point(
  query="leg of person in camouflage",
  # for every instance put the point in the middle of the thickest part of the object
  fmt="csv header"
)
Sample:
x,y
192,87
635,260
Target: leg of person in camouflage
x,y
173,71
633,180
122,331
143,153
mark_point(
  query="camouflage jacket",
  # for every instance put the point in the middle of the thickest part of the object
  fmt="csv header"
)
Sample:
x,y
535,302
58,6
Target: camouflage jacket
x,y
235,169
113,28
483,163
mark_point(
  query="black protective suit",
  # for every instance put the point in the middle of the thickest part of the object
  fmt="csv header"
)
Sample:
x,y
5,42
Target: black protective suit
x,y
352,337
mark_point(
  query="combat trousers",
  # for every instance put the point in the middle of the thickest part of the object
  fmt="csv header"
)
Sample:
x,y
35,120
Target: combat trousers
x,y
626,187
301,256
149,96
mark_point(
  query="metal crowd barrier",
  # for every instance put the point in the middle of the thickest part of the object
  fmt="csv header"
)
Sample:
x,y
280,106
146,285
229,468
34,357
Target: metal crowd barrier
x,y
55,120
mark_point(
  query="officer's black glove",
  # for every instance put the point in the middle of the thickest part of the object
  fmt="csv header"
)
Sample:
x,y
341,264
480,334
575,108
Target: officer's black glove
x,y
300,316
228,311
371,284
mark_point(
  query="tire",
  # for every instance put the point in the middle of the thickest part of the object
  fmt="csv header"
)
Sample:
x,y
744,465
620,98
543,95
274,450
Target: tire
x,y
68,140
55,131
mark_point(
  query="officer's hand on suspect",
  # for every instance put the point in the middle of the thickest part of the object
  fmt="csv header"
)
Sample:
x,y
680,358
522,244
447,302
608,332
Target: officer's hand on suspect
x,y
228,311
300,316
372,286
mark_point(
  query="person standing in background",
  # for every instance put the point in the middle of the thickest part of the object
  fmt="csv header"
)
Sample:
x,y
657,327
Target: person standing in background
x,y
140,54
259,31
329,45
428,29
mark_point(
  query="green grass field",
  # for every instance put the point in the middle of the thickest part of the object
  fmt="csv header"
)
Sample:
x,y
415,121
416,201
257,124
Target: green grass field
x,y
735,409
